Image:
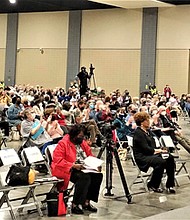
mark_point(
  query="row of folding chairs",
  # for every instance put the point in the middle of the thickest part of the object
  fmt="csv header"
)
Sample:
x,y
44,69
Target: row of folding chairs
x,y
142,177
29,195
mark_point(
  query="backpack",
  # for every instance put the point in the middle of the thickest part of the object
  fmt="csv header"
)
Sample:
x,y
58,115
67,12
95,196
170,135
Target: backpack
x,y
17,175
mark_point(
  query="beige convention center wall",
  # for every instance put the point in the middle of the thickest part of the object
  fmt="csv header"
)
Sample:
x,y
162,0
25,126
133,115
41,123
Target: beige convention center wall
x,y
3,34
42,54
173,43
172,68
174,28
111,41
47,69
114,69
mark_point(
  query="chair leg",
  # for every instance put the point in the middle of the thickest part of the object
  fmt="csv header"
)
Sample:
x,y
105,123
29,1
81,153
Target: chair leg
x,y
13,216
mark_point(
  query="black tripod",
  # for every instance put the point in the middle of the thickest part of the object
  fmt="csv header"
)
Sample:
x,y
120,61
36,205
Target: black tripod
x,y
111,150
92,76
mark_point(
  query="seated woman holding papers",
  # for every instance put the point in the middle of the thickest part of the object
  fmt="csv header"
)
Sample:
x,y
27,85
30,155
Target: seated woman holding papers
x,y
68,164
147,155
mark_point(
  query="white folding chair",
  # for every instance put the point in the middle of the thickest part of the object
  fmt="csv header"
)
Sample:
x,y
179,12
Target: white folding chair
x,y
122,151
33,156
141,177
167,142
49,153
158,145
3,140
9,157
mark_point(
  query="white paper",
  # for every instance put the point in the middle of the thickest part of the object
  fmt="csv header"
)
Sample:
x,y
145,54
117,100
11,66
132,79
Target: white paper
x,y
92,162
89,171
162,199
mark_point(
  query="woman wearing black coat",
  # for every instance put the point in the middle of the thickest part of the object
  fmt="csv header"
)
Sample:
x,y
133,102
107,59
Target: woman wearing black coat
x,y
147,155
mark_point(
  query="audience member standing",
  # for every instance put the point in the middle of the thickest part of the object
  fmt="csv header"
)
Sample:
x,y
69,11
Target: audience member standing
x,y
167,92
83,81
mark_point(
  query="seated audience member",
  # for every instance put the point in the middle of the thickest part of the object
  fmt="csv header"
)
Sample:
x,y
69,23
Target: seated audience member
x,y
104,113
52,126
147,155
4,125
114,104
127,100
173,129
5,99
25,102
37,107
130,116
187,104
92,111
33,131
60,117
122,128
69,117
67,164
182,102
90,125
161,124
14,114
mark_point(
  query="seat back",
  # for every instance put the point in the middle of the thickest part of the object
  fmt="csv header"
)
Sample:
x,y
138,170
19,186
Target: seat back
x,y
122,146
130,145
157,142
49,153
7,158
130,141
33,156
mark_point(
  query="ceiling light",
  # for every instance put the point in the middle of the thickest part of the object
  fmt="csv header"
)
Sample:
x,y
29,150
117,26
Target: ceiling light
x,y
12,1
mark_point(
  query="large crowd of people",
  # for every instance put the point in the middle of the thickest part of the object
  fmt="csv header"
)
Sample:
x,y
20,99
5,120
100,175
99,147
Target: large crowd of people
x,y
50,116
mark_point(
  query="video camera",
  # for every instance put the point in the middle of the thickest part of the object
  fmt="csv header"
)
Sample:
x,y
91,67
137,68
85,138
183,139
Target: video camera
x,y
91,69
106,130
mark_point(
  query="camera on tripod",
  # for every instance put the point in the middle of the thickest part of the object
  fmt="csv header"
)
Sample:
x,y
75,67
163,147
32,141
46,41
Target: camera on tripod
x,y
111,151
107,131
91,69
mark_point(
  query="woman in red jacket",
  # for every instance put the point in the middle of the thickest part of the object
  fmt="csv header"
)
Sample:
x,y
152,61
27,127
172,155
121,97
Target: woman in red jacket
x,y
67,164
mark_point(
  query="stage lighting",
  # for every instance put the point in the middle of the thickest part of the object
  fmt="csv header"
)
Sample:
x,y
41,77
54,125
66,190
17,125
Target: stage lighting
x,y
12,1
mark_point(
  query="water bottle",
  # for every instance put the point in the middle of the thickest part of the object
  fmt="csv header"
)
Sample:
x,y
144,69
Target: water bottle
x,y
69,208
1,135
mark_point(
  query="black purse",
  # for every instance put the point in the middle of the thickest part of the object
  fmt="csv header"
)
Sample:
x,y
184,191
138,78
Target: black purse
x,y
17,175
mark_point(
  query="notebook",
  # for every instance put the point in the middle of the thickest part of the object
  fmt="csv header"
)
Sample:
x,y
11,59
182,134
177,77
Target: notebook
x,y
39,131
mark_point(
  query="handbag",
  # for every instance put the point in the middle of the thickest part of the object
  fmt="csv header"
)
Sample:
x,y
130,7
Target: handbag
x,y
15,135
56,204
17,175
